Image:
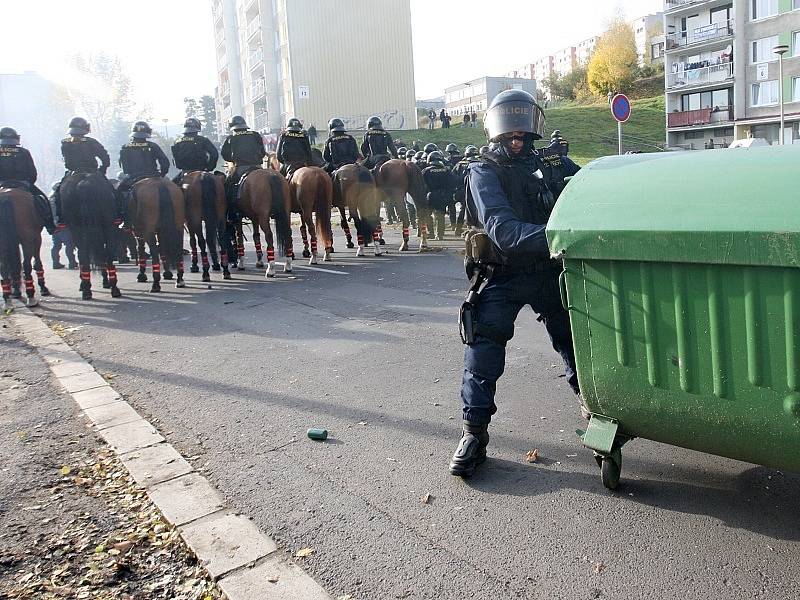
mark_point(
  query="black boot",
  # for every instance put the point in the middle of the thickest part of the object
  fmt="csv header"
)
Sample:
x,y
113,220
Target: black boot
x,y
471,450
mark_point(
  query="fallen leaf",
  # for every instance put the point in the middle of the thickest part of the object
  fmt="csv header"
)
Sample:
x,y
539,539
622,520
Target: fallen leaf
x,y
304,553
532,456
598,567
65,470
273,579
426,499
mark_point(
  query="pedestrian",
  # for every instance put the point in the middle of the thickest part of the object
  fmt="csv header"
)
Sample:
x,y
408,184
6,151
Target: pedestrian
x,y
312,135
431,119
466,120
509,268
474,119
441,117
447,119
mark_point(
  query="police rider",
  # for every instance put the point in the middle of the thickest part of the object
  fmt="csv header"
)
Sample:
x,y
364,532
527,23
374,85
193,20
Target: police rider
x,y
140,158
192,151
18,171
378,146
294,149
244,150
341,148
508,205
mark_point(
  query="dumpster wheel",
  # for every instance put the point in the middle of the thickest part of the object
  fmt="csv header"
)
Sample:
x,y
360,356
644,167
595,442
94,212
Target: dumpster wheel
x,y
610,471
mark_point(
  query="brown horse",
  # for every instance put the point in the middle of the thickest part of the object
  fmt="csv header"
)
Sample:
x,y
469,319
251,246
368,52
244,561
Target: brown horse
x,y
265,194
158,213
396,178
312,190
205,203
354,189
88,208
20,226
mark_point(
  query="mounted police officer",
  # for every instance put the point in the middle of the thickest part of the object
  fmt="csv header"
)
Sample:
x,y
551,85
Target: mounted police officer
x,y
244,150
18,171
294,149
141,158
508,263
192,151
377,146
439,181
556,165
341,148
471,155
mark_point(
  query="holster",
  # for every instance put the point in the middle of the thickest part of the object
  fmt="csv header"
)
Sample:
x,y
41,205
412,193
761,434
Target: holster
x,y
468,315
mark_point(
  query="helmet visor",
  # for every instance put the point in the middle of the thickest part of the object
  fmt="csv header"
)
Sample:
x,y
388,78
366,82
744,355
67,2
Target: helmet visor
x,y
515,116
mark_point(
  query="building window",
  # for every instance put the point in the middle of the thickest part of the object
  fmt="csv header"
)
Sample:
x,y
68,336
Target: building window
x,y
795,89
761,9
796,42
763,50
764,93
795,4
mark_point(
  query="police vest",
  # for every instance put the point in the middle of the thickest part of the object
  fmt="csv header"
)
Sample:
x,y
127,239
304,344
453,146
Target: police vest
x,y
344,149
246,148
81,154
437,178
378,142
553,170
294,147
138,158
190,154
15,164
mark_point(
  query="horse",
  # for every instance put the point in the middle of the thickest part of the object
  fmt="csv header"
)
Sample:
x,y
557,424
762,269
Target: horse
x,y
312,190
20,226
88,206
354,189
205,203
158,212
264,194
395,179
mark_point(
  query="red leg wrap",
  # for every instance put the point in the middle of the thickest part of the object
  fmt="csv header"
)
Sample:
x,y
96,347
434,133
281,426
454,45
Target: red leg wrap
x,y
270,254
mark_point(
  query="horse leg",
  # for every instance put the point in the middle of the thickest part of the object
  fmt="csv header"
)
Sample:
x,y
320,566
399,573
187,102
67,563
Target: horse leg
x,y
211,243
270,249
204,256
360,226
16,291
304,235
39,267
240,246
140,252
155,257
193,245
111,270
423,217
106,281
224,241
288,250
30,289
8,305
346,229
259,249
312,233
179,282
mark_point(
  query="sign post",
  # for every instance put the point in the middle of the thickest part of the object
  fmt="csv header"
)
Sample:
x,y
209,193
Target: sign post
x,y
621,110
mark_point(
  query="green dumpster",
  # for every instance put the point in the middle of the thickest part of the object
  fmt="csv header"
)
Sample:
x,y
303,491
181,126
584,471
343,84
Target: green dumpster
x,y
682,278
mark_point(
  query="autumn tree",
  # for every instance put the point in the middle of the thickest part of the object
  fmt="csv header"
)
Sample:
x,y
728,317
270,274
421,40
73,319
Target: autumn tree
x,y
613,64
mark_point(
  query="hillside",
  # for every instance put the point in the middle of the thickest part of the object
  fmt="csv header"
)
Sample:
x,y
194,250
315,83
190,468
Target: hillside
x,y
591,130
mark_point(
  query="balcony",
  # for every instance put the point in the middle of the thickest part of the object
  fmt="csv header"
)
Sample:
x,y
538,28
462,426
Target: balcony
x,y
700,35
675,5
257,90
253,27
703,116
256,59
698,77
260,122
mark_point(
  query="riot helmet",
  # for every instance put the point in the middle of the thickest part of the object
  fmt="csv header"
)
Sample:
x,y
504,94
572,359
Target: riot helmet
x,y
79,126
294,125
514,110
374,123
451,149
141,130
9,137
436,158
471,151
191,125
419,156
483,150
237,123
401,152
555,135
336,126
430,148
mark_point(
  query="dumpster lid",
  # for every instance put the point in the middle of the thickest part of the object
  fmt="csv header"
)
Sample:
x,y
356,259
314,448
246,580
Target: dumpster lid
x,y
714,206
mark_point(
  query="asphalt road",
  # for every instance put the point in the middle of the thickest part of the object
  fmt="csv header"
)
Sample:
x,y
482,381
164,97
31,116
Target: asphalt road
x,y
234,375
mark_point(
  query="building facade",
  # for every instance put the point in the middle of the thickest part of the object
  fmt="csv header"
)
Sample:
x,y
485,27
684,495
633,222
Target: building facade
x,y
279,59
722,74
476,95
647,31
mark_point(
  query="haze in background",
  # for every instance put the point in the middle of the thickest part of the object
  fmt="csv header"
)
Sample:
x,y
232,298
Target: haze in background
x,y
167,46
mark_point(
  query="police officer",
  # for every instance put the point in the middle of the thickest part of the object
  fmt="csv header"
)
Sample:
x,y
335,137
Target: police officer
x,y
401,152
244,150
18,171
439,181
141,158
420,159
471,155
192,151
556,165
294,149
341,148
426,151
453,155
377,146
508,204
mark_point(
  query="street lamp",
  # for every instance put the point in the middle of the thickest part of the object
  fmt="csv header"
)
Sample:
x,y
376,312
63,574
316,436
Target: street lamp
x,y
780,51
166,128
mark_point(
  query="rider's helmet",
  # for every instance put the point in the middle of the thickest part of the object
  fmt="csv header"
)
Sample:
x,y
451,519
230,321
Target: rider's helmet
x,y
436,158
79,126
419,156
451,149
141,130
374,123
483,150
336,126
237,123
555,135
514,110
191,125
294,125
471,151
430,148
9,137
401,152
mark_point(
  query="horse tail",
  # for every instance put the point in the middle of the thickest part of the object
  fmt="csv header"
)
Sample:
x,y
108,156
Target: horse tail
x,y
91,234
338,195
170,237
9,240
208,184
283,221
323,209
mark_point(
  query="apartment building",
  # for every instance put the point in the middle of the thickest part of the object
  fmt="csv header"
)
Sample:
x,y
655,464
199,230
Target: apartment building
x,y
648,32
565,60
722,74
527,71
476,95
585,49
278,59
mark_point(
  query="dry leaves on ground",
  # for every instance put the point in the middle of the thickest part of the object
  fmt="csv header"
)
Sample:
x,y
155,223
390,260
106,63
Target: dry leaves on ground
x,y
303,553
532,456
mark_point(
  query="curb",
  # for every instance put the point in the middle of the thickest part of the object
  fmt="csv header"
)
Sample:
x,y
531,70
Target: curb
x,y
242,560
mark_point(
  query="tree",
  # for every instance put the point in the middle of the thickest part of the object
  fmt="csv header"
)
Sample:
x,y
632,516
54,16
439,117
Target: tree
x,y
566,86
190,107
208,115
615,59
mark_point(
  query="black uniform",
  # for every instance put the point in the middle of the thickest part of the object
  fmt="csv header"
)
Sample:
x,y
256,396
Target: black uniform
x,y
460,192
340,149
556,166
439,181
194,152
245,150
453,159
81,155
294,151
17,170
378,147
140,159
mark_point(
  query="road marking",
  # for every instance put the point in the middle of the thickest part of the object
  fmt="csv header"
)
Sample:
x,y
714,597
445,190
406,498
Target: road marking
x,y
332,271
